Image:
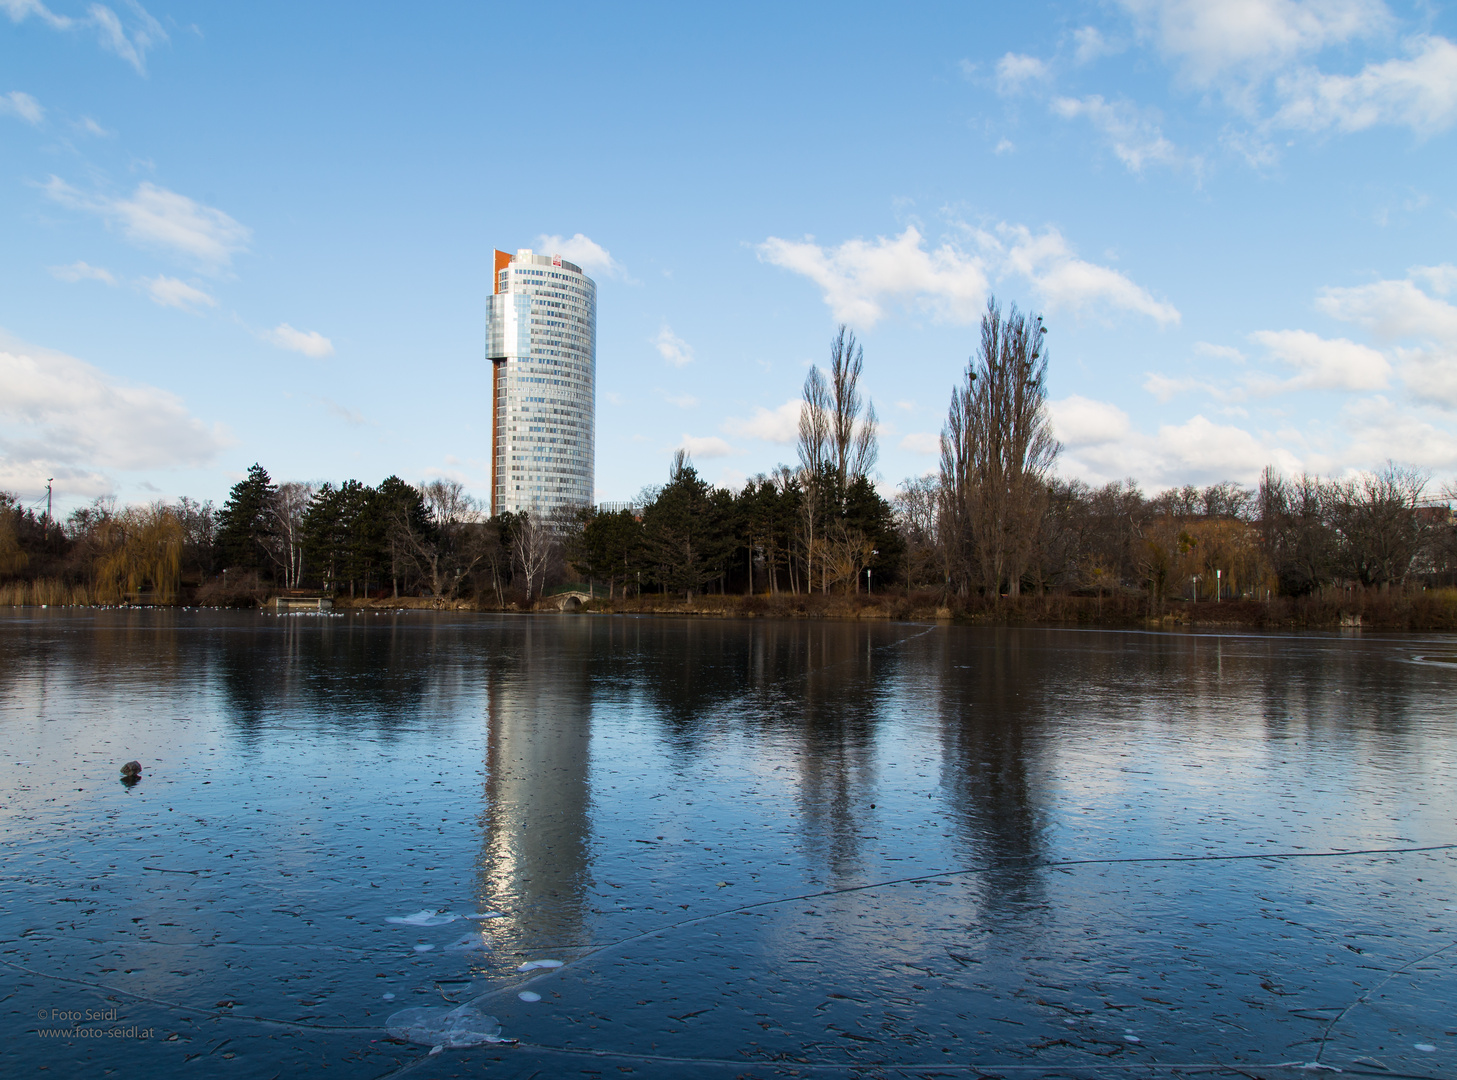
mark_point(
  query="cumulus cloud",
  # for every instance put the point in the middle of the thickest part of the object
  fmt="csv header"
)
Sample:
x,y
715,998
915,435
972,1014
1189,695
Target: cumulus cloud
x,y
1065,281
1324,363
61,413
1133,133
778,425
1212,40
1419,93
860,279
18,103
170,292
1404,311
130,39
591,256
1197,451
705,446
1089,44
154,217
683,401
82,271
920,442
1396,309
1079,421
309,342
672,348
1015,71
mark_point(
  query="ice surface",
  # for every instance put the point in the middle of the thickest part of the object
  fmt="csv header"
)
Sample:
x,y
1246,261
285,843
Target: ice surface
x,y
422,918
529,995
462,1026
532,965
388,997
485,915
468,943
1426,1048
422,947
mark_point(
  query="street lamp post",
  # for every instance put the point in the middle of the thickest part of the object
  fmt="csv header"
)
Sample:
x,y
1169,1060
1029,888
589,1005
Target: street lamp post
x,y
1218,585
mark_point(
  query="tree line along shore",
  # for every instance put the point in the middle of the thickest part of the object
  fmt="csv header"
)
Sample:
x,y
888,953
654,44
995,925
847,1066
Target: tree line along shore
x,y
993,535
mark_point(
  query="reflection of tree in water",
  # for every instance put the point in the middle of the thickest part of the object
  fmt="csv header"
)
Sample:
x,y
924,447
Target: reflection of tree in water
x,y
535,862
807,692
342,672
993,728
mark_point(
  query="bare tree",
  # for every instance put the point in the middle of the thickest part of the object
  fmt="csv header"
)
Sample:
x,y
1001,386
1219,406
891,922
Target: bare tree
x,y
837,444
450,542
997,448
852,423
1378,521
532,545
285,507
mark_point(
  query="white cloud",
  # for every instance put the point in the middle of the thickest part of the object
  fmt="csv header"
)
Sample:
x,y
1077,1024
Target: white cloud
x,y
683,401
1165,389
1395,309
1248,39
1197,451
1015,72
157,218
591,256
1133,133
1066,281
1005,146
1080,421
170,292
1430,374
1419,93
672,348
309,342
779,425
82,271
58,412
129,44
18,103
1380,431
1091,44
91,127
1219,352
132,47
705,446
1324,363
860,278
920,442
354,418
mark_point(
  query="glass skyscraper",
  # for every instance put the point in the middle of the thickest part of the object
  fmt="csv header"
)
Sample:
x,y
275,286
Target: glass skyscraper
x,y
541,340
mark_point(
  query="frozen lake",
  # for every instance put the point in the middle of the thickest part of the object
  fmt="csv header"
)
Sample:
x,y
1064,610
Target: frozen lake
x,y
754,848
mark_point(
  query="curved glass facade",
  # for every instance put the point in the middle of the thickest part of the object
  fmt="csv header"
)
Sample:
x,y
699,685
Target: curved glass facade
x,y
541,339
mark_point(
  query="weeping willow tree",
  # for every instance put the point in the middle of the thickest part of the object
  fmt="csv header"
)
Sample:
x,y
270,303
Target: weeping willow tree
x,y
138,549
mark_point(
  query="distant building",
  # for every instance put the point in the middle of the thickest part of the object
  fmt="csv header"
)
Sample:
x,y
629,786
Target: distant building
x,y
541,340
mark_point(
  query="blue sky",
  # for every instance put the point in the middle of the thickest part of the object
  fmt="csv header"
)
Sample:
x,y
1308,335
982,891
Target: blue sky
x,y
238,233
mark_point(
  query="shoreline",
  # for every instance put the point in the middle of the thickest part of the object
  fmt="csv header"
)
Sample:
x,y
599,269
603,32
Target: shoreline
x,y
1429,610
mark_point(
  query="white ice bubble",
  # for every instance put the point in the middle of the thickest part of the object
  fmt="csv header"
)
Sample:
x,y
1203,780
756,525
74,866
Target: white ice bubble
x,y
468,943
1131,1038
462,1026
421,918
422,947
388,997
533,965
485,915
529,995
1426,1048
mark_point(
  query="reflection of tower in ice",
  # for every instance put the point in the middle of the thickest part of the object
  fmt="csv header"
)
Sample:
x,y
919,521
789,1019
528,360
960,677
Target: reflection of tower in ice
x,y
534,862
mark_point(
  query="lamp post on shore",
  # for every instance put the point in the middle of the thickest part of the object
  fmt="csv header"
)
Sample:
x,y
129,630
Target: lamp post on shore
x,y
1218,585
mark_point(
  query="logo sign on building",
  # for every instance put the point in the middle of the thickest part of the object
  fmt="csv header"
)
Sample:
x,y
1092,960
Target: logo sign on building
x,y
556,260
